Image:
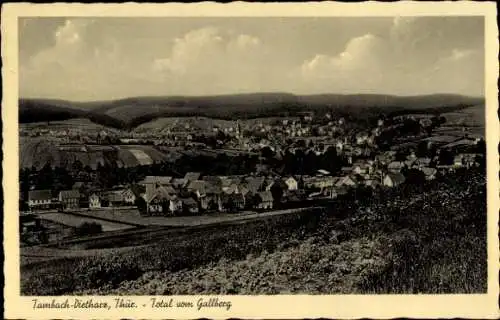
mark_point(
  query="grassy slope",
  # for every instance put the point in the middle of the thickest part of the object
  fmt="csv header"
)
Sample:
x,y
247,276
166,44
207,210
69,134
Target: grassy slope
x,y
430,240
472,117
421,249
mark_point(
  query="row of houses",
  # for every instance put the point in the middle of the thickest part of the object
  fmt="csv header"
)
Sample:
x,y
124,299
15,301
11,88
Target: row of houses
x,y
43,199
226,194
168,201
74,199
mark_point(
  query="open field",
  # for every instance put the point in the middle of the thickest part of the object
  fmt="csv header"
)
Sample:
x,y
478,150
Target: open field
x,y
72,220
133,216
82,124
202,123
471,117
460,131
39,151
37,254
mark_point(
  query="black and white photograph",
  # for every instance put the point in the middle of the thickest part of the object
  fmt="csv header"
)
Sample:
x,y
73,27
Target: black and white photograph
x,y
266,155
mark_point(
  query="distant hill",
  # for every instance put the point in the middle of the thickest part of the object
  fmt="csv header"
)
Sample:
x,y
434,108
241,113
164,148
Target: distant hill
x,y
131,112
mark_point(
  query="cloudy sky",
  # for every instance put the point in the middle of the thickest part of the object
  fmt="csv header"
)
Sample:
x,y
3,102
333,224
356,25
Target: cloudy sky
x,y
109,58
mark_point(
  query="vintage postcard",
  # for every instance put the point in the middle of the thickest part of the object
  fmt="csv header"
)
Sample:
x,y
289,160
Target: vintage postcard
x,y
251,160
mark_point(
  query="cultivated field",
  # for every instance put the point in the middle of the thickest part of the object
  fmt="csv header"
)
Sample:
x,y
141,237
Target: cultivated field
x,y
39,151
470,117
72,220
134,217
202,123
81,124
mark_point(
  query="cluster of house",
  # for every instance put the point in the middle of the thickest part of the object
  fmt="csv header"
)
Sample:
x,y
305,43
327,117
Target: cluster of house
x,y
43,199
197,193
194,193
75,199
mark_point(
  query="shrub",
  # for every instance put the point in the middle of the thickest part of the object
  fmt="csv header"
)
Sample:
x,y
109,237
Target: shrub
x,y
88,228
107,271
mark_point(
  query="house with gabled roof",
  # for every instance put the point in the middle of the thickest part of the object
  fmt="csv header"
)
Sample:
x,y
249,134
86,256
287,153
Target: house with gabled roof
x,y
430,173
291,183
348,181
69,199
346,170
206,192
179,183
361,168
231,202
191,176
156,180
255,184
154,203
458,160
396,166
162,200
197,186
94,200
410,162
39,199
421,162
264,200
393,179
232,188
213,180
372,183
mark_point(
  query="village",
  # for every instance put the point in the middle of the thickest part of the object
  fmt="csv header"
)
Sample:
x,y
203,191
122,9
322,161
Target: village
x,y
310,153
361,161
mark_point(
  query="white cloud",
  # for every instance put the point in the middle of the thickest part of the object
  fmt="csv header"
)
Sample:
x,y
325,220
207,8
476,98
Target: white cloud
x,y
458,54
458,72
218,59
360,53
206,49
70,68
68,45
69,33
410,60
358,65
413,56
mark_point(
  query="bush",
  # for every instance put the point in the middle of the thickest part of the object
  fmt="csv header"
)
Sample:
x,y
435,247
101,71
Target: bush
x,y
88,228
108,271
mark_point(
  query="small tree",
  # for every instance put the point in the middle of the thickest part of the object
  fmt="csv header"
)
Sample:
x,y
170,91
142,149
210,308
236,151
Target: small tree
x,y
88,228
141,205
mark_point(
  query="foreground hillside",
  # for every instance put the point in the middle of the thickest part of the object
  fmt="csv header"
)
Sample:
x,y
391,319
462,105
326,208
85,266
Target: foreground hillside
x,y
130,113
428,238
422,248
